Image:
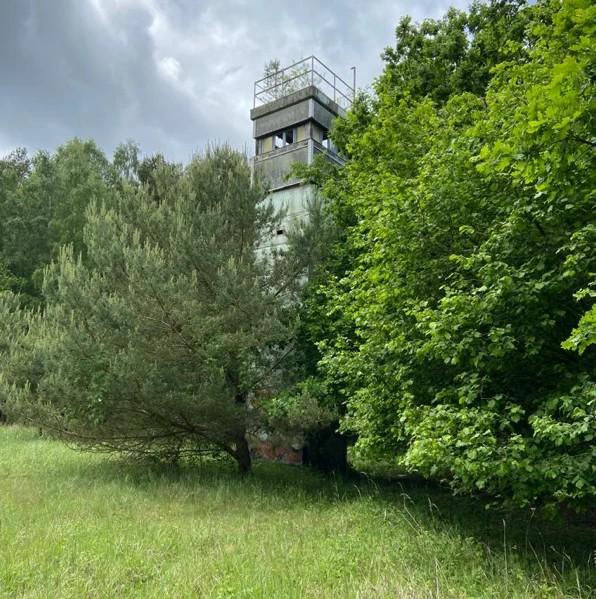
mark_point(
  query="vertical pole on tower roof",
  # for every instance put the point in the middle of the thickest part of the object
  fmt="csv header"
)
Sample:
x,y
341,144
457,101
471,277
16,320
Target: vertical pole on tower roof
x,y
354,83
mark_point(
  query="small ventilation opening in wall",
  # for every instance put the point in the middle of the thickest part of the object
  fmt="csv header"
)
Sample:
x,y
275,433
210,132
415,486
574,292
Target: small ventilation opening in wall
x,y
280,232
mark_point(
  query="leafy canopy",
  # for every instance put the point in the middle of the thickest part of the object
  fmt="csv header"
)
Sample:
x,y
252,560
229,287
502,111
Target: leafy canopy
x,y
467,209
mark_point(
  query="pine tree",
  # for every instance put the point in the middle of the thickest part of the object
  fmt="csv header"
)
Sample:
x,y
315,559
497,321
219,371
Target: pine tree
x,y
154,343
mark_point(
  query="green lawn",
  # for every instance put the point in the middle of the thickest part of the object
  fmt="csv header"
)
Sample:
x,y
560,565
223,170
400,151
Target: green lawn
x,y
83,525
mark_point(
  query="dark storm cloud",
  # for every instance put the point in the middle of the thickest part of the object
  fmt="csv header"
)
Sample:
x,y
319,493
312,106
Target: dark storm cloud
x,y
66,72
172,75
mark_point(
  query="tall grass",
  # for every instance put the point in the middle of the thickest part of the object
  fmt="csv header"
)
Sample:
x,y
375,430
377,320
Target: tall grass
x,y
76,525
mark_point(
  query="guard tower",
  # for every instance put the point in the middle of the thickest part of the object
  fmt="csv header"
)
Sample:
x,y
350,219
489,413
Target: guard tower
x,y
292,113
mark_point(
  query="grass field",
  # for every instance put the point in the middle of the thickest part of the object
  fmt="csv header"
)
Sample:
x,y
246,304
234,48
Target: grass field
x,y
83,525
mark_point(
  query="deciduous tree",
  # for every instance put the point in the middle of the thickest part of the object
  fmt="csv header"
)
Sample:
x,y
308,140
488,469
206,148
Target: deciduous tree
x,y
470,234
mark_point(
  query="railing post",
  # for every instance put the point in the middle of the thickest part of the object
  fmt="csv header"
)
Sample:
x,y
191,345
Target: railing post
x,y
312,70
334,87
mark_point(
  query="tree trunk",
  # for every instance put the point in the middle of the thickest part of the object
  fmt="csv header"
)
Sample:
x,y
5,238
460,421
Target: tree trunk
x,y
242,455
327,450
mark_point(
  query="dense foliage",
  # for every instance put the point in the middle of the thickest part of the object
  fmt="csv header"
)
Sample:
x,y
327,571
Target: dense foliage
x,y
152,341
467,258
43,200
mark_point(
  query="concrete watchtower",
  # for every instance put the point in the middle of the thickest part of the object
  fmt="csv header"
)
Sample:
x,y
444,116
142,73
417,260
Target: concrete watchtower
x,y
292,114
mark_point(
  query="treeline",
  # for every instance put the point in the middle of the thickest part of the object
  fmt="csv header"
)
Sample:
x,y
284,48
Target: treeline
x,y
448,322
43,203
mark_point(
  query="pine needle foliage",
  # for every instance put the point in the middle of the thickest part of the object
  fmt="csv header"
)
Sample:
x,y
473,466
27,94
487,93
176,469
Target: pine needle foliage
x,y
153,342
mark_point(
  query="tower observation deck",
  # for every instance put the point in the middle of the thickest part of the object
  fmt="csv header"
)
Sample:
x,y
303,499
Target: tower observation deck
x,y
293,110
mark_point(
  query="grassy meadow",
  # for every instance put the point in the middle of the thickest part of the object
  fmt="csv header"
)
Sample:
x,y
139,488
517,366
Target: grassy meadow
x,y
78,525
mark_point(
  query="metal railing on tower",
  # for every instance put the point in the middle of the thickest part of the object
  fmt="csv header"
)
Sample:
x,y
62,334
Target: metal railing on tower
x,y
301,74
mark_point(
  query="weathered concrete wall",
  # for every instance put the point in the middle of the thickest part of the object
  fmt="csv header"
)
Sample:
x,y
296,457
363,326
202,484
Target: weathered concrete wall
x,y
283,102
323,115
281,119
304,104
294,202
275,166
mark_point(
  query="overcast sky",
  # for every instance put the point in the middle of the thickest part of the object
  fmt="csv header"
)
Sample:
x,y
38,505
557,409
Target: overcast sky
x,y
173,75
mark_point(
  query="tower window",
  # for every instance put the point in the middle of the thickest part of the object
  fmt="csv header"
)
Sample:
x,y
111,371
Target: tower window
x,y
284,138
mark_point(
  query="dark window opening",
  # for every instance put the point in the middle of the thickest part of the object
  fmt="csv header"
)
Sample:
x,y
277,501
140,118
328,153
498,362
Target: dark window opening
x,y
280,232
284,138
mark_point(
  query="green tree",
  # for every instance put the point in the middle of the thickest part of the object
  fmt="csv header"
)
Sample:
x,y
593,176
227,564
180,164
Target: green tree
x,y
439,58
42,206
469,213
15,262
154,343
278,82
81,176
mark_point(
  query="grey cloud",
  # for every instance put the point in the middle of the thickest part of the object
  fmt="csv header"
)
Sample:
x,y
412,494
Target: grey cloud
x,y
170,74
